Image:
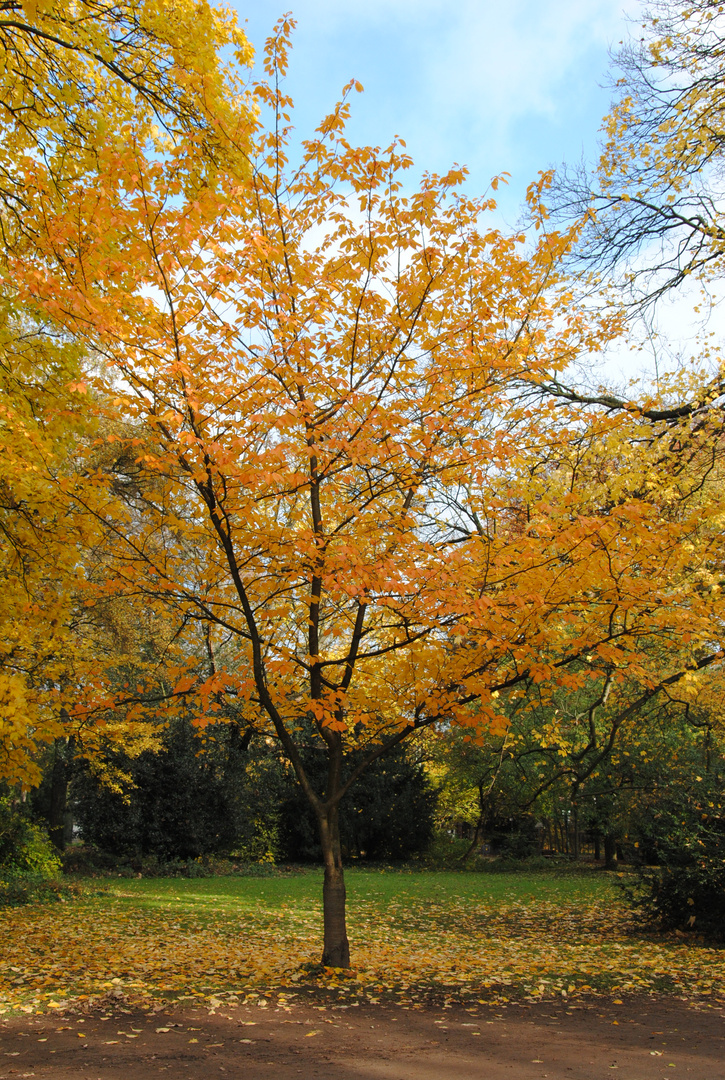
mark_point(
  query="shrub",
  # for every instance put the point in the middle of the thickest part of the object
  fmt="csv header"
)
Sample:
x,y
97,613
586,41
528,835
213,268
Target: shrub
x,y
24,847
686,892
446,850
29,864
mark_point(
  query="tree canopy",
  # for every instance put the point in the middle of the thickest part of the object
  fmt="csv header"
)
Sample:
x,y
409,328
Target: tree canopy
x,y
655,197
79,82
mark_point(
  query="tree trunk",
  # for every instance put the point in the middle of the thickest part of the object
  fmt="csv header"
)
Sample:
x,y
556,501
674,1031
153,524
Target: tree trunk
x,y
336,948
610,848
59,793
477,835
575,829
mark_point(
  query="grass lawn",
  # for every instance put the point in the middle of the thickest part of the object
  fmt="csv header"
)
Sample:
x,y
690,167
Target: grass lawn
x,y
464,936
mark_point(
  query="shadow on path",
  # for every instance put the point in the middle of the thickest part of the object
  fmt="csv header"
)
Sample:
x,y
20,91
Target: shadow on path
x,y
641,1039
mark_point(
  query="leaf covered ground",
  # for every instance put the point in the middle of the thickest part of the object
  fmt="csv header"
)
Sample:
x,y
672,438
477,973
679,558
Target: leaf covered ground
x,y
415,937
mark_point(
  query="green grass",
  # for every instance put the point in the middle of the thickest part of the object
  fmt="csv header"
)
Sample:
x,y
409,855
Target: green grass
x,y
364,887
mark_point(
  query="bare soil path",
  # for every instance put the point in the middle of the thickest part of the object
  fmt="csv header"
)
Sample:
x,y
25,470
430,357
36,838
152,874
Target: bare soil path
x,y
642,1038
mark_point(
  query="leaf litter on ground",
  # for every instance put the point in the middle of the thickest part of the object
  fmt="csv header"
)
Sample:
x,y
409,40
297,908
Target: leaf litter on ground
x,y
412,941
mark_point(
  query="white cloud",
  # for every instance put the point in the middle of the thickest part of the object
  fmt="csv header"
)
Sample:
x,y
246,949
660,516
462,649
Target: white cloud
x,y
512,86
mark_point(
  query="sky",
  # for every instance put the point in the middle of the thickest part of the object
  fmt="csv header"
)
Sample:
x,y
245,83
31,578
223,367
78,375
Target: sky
x,y
497,85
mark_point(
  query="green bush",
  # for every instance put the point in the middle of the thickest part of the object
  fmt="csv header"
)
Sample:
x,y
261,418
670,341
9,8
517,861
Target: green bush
x,y
87,861
34,889
446,850
686,892
29,864
24,847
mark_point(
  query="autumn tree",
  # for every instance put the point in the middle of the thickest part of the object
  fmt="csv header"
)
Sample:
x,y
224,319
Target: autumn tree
x,y
655,197
74,75
582,766
655,226
78,81
340,476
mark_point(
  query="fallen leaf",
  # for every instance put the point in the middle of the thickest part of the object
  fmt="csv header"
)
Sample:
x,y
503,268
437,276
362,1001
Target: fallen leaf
x,y
490,951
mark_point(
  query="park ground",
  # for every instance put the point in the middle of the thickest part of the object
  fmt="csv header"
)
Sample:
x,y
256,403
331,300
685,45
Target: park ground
x,y
456,975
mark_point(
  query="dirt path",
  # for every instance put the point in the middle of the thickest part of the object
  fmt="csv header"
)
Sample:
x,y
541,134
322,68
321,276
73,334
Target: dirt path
x,y
640,1039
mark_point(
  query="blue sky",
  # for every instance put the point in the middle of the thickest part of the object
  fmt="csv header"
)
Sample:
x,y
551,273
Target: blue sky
x,y
497,85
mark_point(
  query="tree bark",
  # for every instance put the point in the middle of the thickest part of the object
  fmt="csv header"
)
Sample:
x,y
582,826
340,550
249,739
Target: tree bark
x,y
59,793
336,948
575,828
477,833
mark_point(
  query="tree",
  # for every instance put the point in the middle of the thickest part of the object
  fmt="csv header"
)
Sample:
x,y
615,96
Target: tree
x,y
78,80
185,797
656,199
40,544
75,75
340,474
593,760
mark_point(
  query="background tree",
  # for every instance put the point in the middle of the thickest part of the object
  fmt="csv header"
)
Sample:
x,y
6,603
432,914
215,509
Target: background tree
x,y
387,816
655,198
591,777
76,80
222,791
74,76
184,798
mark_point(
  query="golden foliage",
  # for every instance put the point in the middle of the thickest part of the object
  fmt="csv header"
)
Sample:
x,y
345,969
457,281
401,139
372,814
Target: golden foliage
x,y
78,81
